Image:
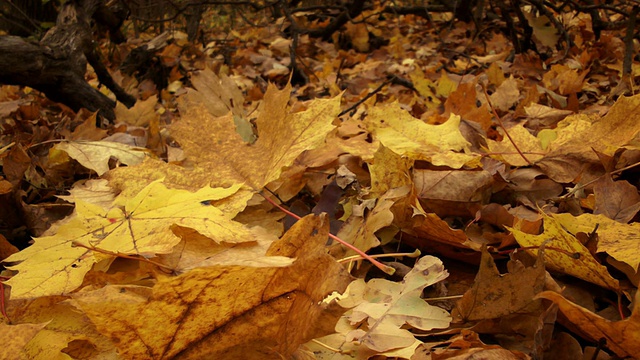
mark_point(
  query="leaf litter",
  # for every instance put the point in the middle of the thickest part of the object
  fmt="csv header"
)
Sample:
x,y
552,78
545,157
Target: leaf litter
x,y
184,259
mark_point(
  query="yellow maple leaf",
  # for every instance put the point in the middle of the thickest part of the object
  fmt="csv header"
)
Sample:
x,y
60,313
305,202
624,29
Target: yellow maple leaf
x,y
139,226
622,241
141,114
407,136
425,87
566,254
388,170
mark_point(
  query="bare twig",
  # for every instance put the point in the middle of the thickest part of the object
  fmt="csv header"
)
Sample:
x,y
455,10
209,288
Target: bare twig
x,y
495,113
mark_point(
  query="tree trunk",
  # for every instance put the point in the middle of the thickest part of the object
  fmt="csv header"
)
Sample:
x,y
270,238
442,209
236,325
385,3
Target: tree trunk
x,y
57,64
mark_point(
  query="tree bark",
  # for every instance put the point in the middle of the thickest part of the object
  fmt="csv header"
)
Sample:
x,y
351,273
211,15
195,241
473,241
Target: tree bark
x,y
57,64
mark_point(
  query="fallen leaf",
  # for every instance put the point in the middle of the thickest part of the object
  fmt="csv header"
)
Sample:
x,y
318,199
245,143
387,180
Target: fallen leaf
x,y
6,248
617,200
87,131
95,155
566,254
64,326
388,170
219,94
543,29
541,115
462,102
141,226
273,311
15,337
407,136
528,145
359,230
94,191
565,80
282,137
385,307
573,154
197,251
621,337
140,114
531,186
621,241
453,185
506,95
494,295
15,164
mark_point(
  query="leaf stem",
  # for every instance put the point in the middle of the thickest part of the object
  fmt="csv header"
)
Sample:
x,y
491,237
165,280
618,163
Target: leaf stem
x,y
327,346
578,187
358,257
495,113
387,269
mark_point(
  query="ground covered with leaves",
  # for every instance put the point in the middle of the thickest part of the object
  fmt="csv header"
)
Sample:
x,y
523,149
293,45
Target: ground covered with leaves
x,y
498,193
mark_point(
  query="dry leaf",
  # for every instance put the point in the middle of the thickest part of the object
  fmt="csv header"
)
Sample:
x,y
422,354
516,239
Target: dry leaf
x,y
190,316
622,337
54,265
494,295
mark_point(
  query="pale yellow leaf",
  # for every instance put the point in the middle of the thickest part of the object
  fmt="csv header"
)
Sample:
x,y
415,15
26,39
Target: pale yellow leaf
x,y
95,155
138,226
407,136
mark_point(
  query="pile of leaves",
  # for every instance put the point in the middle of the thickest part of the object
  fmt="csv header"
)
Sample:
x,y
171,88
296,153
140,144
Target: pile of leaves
x,y
164,236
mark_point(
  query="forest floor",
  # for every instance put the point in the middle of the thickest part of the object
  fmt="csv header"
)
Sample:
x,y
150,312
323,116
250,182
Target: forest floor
x,y
501,188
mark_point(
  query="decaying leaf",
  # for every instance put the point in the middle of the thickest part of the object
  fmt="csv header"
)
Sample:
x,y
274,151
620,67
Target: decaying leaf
x,y
494,295
621,241
65,331
15,337
381,308
140,114
528,144
573,154
360,230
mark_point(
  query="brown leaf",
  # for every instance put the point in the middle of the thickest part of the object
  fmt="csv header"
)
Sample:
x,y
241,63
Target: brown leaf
x,y
87,130
16,164
6,248
617,200
494,295
462,102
